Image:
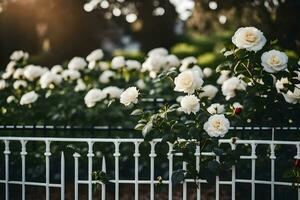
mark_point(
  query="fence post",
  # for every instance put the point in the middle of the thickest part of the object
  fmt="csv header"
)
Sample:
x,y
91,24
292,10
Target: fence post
x,y
103,187
90,156
76,156
233,175
47,155
117,155
197,154
170,157
253,158
23,154
152,155
136,170
62,176
6,153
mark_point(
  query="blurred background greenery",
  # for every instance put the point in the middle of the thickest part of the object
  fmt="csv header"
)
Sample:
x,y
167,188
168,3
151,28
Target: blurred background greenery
x,y
57,30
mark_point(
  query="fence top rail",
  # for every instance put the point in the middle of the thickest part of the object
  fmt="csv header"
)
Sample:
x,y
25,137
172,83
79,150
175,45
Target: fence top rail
x,y
120,128
139,140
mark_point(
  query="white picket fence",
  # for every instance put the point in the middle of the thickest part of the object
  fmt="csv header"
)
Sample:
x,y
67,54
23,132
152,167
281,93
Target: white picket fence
x,y
91,142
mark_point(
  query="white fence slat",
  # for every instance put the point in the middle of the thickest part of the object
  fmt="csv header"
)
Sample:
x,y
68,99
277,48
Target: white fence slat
x,y
152,155
76,156
90,156
170,157
184,184
253,159
47,155
136,170
6,153
197,154
62,176
23,154
103,187
117,155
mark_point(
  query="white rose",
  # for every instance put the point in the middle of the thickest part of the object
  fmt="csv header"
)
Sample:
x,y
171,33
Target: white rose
x,y
187,62
106,76
249,38
189,104
281,83
77,63
209,91
19,73
133,65
3,84
293,97
158,52
49,78
217,126
171,61
129,96
70,74
95,55
56,69
10,99
9,71
80,86
207,72
223,77
19,55
118,62
141,84
188,81
19,83
154,64
274,61
32,72
216,108
29,98
113,92
103,66
232,85
93,96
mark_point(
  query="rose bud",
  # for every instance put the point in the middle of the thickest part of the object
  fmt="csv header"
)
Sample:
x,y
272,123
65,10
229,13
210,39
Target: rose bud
x,y
237,111
296,163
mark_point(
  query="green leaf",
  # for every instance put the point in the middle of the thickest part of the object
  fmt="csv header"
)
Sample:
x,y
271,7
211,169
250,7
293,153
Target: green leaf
x,y
137,112
139,127
147,128
178,176
218,151
214,166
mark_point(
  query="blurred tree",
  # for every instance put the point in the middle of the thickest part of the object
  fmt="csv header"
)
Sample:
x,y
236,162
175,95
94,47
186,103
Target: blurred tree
x,y
276,18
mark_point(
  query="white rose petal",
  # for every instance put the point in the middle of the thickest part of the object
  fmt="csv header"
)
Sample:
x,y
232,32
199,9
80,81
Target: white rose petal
x,y
3,84
232,85
171,61
216,108
189,104
49,78
274,61
106,76
293,97
249,38
188,81
80,86
133,65
223,77
209,91
93,96
280,84
217,126
32,72
10,99
118,62
19,73
95,55
187,62
56,69
29,98
158,52
19,55
19,83
129,96
70,74
113,92
77,63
